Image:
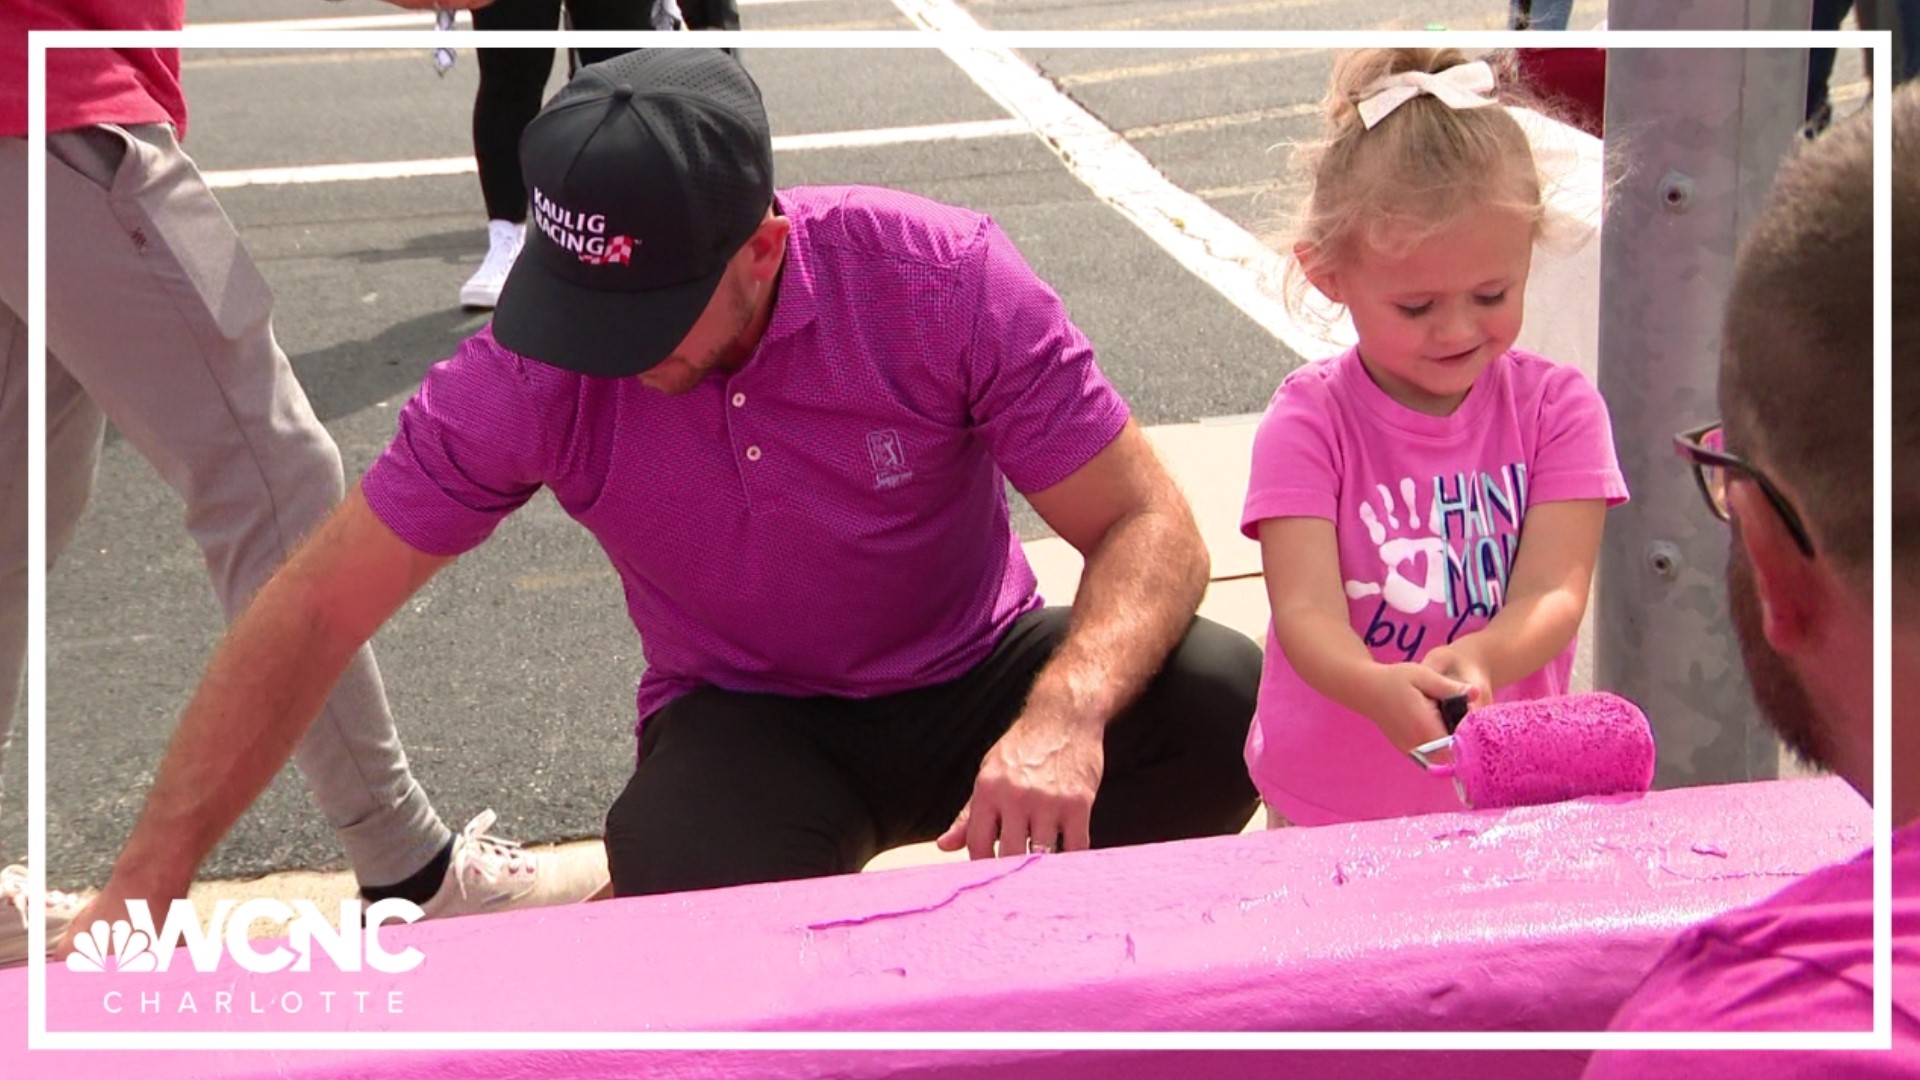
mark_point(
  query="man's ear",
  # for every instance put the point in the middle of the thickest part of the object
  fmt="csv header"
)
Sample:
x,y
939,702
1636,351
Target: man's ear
x,y
1796,597
767,248
1319,270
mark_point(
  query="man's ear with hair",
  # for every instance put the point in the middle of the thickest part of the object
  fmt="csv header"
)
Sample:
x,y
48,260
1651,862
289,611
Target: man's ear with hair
x,y
1795,593
1321,275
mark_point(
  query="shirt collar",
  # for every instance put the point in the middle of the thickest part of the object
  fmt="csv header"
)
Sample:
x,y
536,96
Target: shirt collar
x,y
797,304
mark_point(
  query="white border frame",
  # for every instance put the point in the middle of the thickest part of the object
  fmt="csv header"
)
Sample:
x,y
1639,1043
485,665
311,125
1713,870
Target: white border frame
x,y
39,1038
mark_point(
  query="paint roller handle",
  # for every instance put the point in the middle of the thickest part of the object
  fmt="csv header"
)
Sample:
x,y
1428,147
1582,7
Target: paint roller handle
x,y
1452,711
1438,768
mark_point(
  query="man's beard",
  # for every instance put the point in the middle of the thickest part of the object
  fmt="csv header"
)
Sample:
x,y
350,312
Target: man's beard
x,y
728,354
1777,688
687,373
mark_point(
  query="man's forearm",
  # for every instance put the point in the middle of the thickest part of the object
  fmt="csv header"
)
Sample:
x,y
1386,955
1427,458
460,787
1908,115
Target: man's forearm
x,y
1138,594
265,684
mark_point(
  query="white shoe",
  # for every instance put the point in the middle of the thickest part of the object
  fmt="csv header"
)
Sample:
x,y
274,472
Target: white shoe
x,y
504,238
61,909
490,874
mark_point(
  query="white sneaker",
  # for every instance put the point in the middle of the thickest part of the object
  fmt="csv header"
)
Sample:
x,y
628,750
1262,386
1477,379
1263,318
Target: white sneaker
x,y
61,909
490,874
482,290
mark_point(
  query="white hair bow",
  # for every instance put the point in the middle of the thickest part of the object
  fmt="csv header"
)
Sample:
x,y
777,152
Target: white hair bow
x,y
1463,86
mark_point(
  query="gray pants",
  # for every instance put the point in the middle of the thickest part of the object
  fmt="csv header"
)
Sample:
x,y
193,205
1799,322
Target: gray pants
x,y
159,321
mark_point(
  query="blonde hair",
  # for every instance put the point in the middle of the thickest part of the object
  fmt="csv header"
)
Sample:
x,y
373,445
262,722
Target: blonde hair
x,y
1413,174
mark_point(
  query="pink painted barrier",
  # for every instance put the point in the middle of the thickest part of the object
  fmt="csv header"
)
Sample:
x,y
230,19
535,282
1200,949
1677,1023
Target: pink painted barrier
x,y
1538,918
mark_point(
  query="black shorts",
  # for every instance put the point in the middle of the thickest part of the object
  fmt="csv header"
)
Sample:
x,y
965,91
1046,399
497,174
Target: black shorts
x,y
738,788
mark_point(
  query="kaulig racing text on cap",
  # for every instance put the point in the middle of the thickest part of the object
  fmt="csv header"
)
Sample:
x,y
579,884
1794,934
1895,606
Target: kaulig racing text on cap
x,y
646,173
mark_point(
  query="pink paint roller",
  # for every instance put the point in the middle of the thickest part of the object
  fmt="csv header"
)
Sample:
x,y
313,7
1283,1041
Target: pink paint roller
x,y
1545,750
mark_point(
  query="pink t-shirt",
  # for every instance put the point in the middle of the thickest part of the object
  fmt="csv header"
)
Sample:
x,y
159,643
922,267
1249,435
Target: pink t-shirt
x,y
1800,960
92,86
1427,510
830,519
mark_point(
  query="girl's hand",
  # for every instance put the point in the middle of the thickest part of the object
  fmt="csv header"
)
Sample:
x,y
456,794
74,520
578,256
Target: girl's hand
x,y
1461,666
1405,703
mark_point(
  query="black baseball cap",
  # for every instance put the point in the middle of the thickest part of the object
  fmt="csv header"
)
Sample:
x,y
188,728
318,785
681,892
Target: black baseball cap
x,y
646,173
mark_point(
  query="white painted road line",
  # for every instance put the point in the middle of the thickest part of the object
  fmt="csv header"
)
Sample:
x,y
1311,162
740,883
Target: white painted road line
x,y
925,133
327,174
455,166
1220,120
1185,67
1186,18
462,20
406,21
1207,243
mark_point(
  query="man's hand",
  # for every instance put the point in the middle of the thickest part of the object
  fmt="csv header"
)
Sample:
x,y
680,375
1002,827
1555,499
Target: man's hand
x,y
1146,568
1036,785
1404,700
101,907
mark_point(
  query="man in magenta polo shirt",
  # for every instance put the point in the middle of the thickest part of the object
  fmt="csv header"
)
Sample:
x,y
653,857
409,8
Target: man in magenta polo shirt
x,y
788,419
1792,470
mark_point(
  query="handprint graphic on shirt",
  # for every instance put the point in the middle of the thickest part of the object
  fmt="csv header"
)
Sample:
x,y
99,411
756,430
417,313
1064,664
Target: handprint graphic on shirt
x,y
1413,560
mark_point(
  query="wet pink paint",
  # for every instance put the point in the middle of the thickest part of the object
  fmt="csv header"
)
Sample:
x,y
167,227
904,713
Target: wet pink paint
x,y
1537,918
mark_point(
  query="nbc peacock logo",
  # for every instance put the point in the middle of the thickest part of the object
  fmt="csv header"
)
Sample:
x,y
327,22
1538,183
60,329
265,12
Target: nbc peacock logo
x,y
135,944
129,949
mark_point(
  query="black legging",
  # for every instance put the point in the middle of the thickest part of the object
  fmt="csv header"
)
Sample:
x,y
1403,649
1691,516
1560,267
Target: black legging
x,y
711,14
739,788
1827,15
512,80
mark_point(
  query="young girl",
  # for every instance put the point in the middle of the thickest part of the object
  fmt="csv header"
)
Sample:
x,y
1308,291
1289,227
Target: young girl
x,y
1429,503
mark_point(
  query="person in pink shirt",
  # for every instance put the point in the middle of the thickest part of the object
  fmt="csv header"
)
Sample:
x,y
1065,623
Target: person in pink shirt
x,y
1428,503
788,417
159,323
1788,467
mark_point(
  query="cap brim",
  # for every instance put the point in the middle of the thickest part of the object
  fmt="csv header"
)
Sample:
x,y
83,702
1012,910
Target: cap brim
x,y
594,331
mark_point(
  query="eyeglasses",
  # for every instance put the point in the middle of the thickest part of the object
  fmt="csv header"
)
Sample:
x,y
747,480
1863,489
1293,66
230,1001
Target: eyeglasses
x,y
1705,447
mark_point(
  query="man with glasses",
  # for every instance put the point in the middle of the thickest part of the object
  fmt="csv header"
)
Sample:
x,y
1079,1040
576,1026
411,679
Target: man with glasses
x,y
1790,469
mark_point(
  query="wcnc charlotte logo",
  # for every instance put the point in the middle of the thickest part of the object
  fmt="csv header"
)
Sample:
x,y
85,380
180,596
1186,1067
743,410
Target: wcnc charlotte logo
x,y
132,945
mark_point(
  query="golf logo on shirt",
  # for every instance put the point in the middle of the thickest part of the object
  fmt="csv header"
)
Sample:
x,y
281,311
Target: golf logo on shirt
x,y
583,234
889,460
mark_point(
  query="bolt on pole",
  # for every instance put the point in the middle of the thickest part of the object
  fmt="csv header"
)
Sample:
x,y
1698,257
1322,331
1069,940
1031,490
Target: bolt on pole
x,y
1693,138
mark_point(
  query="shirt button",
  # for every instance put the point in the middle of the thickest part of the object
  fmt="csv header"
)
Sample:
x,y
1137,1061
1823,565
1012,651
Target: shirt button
x,y
753,453
739,400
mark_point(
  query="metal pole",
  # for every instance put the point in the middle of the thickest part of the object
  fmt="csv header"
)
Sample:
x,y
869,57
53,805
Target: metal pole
x,y
1708,15
1693,140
